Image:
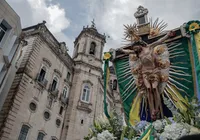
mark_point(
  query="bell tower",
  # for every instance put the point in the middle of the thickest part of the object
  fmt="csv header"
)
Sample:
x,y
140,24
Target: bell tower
x,y
88,47
86,95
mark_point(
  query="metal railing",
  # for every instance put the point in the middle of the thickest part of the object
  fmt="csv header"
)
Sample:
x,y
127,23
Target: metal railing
x,y
53,92
43,82
63,99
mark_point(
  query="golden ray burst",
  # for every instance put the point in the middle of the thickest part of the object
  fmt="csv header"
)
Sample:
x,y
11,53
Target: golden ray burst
x,y
156,27
131,33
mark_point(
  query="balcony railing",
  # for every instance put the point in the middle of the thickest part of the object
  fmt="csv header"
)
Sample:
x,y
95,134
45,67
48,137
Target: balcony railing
x,y
53,92
63,99
68,81
43,82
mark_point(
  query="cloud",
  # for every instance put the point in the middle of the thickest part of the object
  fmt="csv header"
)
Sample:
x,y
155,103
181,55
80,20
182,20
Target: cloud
x,y
111,15
52,13
23,9
55,17
39,10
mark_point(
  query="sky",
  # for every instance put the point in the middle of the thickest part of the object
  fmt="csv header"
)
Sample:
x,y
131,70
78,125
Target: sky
x,y
66,18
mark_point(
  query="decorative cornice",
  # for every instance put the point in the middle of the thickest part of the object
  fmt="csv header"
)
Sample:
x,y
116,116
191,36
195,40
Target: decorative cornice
x,y
59,48
84,106
68,82
89,65
42,131
77,71
88,81
27,123
91,31
47,61
90,55
58,72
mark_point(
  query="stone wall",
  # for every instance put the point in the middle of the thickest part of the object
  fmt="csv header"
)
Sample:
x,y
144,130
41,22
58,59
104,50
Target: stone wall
x,y
26,89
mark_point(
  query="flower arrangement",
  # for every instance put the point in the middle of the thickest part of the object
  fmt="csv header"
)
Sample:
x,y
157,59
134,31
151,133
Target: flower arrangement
x,y
182,124
110,129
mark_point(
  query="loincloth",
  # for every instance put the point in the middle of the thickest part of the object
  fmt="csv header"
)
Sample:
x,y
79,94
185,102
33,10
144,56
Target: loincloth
x,y
151,75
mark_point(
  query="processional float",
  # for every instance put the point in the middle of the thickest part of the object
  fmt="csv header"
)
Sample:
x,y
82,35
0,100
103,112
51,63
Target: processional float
x,y
155,68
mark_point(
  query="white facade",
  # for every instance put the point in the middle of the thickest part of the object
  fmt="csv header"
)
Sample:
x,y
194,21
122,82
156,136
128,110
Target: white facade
x,y
53,96
37,105
87,74
10,30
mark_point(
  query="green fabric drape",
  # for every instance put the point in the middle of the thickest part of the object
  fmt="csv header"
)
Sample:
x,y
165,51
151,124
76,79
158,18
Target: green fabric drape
x,y
192,28
106,68
196,60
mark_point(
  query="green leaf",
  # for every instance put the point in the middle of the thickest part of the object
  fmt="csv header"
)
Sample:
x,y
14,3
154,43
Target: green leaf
x,y
123,133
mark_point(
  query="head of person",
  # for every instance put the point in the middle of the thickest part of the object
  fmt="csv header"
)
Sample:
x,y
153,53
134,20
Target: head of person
x,y
137,46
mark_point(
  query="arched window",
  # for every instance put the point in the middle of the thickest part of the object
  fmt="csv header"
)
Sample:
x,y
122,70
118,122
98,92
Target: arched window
x,y
115,84
24,132
92,48
40,136
68,76
42,74
85,93
65,92
54,84
54,138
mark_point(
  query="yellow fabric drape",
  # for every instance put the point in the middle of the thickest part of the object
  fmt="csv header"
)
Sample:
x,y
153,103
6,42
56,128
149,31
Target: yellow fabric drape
x,y
177,98
197,40
147,136
135,110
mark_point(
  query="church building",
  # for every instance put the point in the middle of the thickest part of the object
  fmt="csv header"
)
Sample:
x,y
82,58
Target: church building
x,y
54,96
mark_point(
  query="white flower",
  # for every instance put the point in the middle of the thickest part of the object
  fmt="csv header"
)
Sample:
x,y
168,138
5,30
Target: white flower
x,y
184,132
93,138
158,125
171,119
174,131
105,135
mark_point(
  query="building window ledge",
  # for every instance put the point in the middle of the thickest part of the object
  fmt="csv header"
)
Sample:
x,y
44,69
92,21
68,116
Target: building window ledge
x,y
84,106
64,100
42,83
68,82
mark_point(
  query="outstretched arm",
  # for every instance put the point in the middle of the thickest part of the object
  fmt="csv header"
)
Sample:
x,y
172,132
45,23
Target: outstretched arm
x,y
126,51
161,40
